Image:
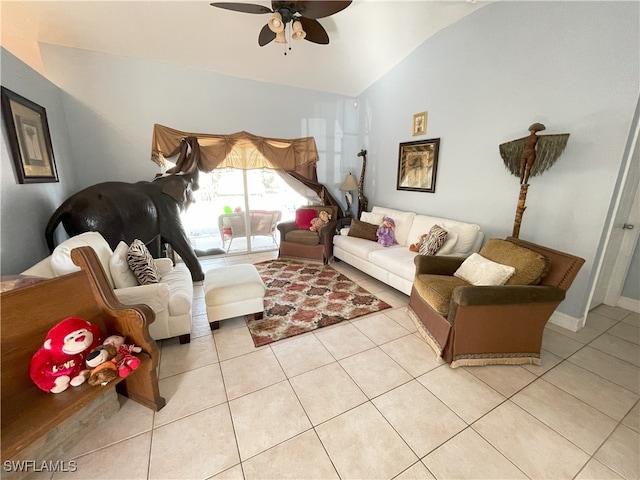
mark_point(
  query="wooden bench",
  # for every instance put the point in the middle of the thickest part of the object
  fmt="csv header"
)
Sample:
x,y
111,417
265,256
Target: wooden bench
x,y
39,424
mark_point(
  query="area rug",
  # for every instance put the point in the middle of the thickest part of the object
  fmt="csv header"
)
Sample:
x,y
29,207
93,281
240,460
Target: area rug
x,y
301,297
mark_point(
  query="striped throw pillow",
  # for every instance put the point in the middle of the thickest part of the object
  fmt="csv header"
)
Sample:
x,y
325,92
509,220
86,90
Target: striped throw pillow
x,y
141,263
433,241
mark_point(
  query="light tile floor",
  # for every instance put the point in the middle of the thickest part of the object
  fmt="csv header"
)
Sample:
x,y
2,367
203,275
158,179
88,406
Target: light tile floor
x,y
366,399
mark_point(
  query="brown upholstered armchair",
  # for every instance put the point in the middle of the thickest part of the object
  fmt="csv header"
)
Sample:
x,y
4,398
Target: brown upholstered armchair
x,y
484,325
298,241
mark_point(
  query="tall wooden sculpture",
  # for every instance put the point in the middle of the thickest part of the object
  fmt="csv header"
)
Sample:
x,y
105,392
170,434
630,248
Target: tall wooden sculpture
x,y
530,156
363,203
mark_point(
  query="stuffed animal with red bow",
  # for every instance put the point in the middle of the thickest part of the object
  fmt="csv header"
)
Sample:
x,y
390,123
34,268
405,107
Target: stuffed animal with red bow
x,y
125,359
60,361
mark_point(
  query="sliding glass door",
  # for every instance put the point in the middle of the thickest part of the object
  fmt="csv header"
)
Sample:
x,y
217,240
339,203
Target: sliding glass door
x,y
236,211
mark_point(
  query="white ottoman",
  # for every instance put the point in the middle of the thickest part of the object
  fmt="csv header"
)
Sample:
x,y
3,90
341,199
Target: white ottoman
x,y
233,291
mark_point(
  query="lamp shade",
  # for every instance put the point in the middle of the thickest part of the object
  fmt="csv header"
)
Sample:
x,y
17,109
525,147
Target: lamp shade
x,y
280,37
276,25
298,32
349,184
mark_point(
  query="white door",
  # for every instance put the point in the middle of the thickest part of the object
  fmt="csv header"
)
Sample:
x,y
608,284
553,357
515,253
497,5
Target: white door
x,y
623,236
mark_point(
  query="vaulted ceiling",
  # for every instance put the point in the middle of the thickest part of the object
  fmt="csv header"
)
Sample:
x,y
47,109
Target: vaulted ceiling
x,y
367,39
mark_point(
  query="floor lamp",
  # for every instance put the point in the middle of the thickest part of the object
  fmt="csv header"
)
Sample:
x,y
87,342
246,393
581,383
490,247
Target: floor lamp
x,y
349,185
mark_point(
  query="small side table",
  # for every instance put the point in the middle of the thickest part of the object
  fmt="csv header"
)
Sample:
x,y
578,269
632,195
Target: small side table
x,y
343,222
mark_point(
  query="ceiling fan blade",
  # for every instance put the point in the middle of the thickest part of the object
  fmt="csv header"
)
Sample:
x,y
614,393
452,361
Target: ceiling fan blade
x,y
241,7
266,36
311,9
315,32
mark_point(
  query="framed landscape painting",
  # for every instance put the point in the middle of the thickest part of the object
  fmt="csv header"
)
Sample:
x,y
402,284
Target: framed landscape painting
x,y
29,138
417,165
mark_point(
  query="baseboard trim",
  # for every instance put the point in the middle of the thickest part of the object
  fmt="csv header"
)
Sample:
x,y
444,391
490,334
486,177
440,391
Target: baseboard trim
x,y
566,321
629,304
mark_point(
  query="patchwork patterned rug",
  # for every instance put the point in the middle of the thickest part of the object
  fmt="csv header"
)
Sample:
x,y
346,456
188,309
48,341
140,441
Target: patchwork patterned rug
x,y
301,297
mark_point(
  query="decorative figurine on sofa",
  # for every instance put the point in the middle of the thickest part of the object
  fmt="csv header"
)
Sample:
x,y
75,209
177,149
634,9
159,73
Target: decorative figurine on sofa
x,y
61,360
386,232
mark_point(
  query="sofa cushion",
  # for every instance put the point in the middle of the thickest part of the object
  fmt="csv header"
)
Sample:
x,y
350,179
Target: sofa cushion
x,y
529,266
142,264
358,247
433,241
467,235
119,267
449,243
403,221
364,230
421,225
180,289
304,237
480,271
304,217
370,217
436,290
396,259
61,262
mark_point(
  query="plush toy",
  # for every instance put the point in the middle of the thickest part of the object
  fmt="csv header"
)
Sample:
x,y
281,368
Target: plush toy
x,y
320,221
60,361
415,247
125,360
103,366
385,233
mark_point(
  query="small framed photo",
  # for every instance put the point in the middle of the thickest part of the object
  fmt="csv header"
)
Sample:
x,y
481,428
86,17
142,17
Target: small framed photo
x,y
420,123
417,165
29,138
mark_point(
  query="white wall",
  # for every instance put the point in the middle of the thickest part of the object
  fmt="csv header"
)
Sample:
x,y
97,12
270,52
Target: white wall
x,y
572,66
112,103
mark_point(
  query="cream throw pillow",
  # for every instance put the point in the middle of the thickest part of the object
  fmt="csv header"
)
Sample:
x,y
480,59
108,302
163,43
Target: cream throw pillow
x,y
480,271
122,275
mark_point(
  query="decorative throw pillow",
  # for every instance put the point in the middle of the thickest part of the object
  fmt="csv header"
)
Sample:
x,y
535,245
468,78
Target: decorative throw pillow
x,y
363,230
478,271
433,241
119,267
142,264
304,217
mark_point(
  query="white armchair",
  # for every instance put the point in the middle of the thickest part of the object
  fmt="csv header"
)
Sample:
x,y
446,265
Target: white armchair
x,y
170,299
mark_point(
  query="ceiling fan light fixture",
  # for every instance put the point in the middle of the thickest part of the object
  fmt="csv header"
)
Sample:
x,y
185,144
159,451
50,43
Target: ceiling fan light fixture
x,y
280,37
298,32
276,25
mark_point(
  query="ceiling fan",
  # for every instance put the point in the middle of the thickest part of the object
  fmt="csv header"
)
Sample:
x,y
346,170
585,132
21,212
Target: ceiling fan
x,y
301,14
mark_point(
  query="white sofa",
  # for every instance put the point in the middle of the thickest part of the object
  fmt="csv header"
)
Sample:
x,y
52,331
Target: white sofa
x,y
170,299
394,265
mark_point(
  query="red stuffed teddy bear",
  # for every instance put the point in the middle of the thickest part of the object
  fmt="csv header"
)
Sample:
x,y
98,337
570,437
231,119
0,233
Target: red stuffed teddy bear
x,y
60,361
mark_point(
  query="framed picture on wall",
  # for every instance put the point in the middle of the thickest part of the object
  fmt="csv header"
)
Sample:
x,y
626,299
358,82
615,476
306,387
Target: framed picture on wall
x,y
417,165
420,123
29,138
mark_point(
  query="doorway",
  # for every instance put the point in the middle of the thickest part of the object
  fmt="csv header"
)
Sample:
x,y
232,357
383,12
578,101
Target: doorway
x,y
227,218
623,231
